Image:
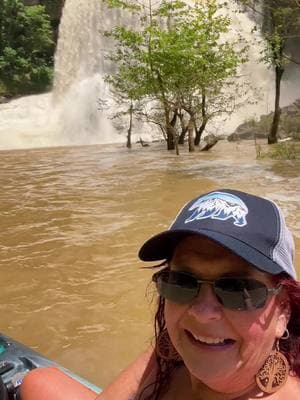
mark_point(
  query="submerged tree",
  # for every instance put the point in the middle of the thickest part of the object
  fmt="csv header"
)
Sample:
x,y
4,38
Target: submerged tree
x,y
281,24
176,58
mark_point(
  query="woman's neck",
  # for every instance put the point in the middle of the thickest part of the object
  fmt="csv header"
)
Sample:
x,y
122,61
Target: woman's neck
x,y
184,386
203,392
289,391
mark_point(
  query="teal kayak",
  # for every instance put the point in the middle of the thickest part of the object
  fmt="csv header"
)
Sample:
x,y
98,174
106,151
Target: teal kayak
x,y
16,360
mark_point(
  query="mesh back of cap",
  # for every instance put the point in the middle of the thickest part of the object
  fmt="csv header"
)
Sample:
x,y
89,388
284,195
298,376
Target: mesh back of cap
x,y
284,250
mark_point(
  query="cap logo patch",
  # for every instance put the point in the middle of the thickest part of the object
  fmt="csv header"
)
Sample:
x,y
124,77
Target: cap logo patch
x,y
219,205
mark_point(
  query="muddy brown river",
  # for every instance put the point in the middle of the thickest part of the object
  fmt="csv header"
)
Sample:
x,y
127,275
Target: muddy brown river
x,y
72,220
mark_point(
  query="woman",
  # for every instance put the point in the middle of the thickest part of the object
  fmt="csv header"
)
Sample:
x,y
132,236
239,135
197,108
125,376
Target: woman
x,y
228,317
228,320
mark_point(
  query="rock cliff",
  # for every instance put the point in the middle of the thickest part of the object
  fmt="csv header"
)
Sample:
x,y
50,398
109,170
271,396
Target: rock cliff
x,y
289,125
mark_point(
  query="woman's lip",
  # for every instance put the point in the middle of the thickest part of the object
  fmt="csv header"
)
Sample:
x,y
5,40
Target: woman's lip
x,y
209,346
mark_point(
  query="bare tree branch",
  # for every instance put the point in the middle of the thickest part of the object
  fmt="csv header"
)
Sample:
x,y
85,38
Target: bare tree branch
x,y
291,59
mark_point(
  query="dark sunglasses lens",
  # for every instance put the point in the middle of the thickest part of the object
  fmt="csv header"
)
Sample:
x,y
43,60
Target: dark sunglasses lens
x,y
177,287
241,294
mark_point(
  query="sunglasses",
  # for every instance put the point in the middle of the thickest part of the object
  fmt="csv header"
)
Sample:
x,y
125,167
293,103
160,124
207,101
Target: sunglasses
x,y
233,293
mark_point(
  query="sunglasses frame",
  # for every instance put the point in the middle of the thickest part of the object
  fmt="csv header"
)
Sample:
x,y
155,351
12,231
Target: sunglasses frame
x,y
269,291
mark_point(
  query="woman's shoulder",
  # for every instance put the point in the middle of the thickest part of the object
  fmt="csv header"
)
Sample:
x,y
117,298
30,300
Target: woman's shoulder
x,y
133,379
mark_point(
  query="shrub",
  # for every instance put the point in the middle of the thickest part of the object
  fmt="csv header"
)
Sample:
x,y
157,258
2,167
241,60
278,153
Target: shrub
x,y
279,151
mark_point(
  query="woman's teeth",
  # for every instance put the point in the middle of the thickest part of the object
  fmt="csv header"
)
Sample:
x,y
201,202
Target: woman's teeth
x,y
209,340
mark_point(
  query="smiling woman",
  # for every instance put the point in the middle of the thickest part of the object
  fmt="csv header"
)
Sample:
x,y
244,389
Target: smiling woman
x,y
227,324
223,341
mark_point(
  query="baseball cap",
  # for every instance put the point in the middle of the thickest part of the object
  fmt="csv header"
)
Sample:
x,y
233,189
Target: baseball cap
x,y
252,227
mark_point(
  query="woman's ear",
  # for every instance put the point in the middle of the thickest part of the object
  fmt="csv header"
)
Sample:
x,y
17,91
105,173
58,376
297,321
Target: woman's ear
x,y
283,317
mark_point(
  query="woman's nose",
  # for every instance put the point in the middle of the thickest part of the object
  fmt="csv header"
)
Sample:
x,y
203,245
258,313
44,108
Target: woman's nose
x,y
206,306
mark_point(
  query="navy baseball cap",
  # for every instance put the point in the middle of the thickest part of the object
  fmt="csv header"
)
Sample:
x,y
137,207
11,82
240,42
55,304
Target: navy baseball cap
x,y
252,227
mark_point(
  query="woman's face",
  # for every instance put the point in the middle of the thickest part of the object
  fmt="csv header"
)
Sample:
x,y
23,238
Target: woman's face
x,y
222,348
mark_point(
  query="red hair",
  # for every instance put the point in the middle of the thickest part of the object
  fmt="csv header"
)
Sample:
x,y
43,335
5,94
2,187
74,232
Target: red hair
x,y
167,359
291,346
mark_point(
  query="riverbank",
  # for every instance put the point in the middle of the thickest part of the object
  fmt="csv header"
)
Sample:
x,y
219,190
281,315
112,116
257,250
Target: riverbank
x,y
285,150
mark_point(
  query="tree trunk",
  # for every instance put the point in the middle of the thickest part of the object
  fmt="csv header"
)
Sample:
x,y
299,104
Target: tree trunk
x,y
211,141
272,137
191,135
199,133
204,121
128,144
176,141
172,141
184,129
182,135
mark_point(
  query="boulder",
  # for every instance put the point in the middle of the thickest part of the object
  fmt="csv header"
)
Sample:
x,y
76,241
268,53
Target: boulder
x,y
248,130
289,125
3,100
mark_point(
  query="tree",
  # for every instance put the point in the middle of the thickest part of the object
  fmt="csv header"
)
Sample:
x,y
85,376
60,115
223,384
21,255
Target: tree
x,y
26,48
281,23
177,57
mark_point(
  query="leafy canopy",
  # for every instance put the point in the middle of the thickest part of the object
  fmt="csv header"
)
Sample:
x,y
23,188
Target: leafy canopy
x,y
26,48
173,52
280,25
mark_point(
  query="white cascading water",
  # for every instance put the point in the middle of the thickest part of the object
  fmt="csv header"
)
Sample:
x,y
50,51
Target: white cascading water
x,y
71,115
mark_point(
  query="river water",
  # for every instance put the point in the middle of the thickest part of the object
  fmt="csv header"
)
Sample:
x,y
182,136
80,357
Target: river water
x,y
72,220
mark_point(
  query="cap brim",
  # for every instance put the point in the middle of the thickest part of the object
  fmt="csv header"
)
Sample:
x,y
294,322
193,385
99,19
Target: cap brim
x,y
161,247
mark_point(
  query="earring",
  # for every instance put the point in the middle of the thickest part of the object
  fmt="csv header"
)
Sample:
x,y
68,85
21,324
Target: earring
x,y
274,373
286,335
164,347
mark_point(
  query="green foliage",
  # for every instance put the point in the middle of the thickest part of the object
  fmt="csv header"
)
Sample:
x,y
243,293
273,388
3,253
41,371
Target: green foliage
x,y
125,5
290,124
175,54
281,23
26,48
53,7
279,151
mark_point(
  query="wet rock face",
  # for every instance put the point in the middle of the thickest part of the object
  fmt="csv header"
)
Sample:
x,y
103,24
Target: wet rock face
x,y
248,130
289,125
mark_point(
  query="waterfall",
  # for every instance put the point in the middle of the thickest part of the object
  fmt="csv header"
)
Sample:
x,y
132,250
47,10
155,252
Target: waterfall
x,y
71,114
78,53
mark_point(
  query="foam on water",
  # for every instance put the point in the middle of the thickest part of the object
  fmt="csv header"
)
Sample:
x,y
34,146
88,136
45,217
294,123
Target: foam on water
x,y
35,121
